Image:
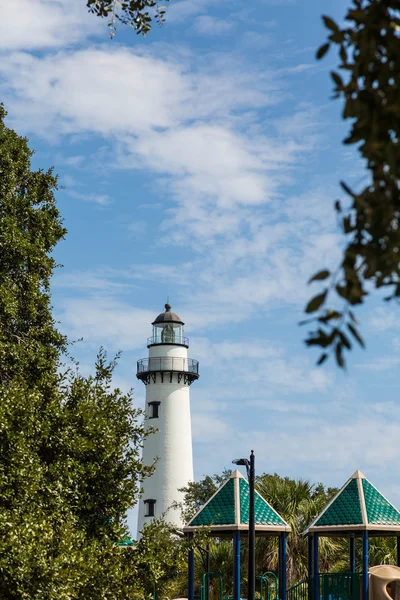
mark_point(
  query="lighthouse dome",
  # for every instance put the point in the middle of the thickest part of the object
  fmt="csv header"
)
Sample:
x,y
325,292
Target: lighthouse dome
x,y
168,317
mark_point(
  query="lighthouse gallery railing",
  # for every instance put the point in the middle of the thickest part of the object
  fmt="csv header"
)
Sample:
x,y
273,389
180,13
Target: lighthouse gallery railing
x,y
168,363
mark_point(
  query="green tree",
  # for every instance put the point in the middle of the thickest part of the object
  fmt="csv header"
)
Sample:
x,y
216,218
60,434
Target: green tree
x,y
70,462
138,14
197,493
368,48
162,560
69,471
298,501
30,227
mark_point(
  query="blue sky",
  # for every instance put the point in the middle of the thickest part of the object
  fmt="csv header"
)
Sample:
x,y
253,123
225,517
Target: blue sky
x,y
202,163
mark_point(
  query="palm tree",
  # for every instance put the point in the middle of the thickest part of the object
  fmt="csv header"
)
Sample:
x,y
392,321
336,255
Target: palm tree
x,y
221,561
298,501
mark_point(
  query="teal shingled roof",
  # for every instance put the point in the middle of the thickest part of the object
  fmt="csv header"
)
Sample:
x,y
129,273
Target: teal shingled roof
x,y
228,510
346,509
126,542
263,513
220,510
357,506
379,510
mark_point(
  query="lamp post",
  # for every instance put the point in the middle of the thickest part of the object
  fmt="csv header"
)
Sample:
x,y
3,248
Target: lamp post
x,y
250,468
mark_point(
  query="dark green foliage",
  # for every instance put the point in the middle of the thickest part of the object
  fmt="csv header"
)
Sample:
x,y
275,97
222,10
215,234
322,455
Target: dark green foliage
x,y
30,227
69,470
161,556
198,493
369,52
298,501
134,13
70,464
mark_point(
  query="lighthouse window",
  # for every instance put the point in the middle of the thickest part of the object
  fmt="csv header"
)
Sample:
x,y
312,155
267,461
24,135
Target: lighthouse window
x,y
154,410
168,334
150,504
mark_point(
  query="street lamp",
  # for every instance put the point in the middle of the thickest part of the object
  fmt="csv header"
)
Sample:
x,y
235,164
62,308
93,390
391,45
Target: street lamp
x,y
249,464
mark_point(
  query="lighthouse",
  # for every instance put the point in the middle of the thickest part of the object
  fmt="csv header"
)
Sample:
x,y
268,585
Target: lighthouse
x,y
167,374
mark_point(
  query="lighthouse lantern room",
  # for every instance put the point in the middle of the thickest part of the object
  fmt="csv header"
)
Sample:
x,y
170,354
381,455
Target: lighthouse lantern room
x,y
167,374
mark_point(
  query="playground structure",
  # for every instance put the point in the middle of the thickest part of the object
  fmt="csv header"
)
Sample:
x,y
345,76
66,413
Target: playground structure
x,y
358,510
227,514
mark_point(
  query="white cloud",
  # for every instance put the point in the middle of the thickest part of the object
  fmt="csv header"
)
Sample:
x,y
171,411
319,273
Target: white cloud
x,y
209,25
137,228
208,428
250,364
179,124
325,444
100,199
88,281
384,319
385,363
32,24
178,12
199,129
224,172
101,321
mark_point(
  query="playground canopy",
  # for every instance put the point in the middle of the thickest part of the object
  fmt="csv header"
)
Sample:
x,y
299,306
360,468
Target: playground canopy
x,y
357,510
357,507
227,511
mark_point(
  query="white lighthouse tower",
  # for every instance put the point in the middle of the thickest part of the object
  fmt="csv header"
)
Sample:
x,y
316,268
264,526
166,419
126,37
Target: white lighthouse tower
x,y
167,374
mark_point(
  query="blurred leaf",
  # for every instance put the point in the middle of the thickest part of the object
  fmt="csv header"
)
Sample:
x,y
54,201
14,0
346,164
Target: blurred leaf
x,y
356,335
322,51
320,275
329,23
316,302
322,358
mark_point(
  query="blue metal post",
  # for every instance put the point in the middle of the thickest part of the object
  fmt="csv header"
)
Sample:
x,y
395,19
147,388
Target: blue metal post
x,y
352,555
191,574
282,589
279,563
310,555
398,550
236,566
364,594
316,568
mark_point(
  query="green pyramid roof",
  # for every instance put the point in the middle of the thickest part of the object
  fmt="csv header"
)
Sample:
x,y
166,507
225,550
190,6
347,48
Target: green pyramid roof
x,y
125,542
228,510
358,506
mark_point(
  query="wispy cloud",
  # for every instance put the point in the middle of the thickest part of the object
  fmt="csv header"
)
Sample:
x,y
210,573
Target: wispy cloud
x,y
199,129
103,321
384,319
208,25
101,199
32,24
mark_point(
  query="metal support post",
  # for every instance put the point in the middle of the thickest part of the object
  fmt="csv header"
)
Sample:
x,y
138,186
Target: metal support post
x,y
310,555
252,549
365,565
191,573
352,548
282,588
316,568
236,566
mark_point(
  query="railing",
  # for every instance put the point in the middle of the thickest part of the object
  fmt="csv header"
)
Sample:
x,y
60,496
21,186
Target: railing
x,y
300,591
168,363
205,583
339,586
168,338
271,591
332,586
